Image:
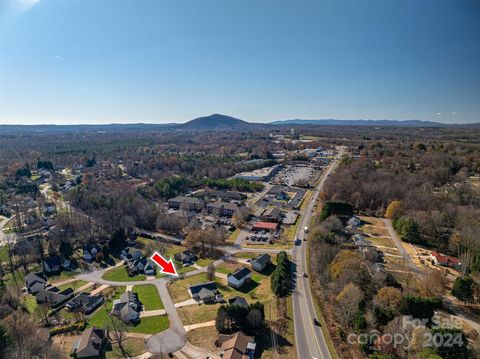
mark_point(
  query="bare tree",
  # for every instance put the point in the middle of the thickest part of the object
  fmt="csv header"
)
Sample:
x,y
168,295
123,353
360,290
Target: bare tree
x,y
118,330
211,272
348,300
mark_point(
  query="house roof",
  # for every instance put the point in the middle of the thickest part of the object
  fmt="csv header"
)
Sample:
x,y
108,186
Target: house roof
x,y
36,286
262,259
53,261
127,311
195,289
31,278
272,212
238,301
444,258
240,273
83,299
236,346
91,340
129,296
265,225
226,194
133,251
53,295
185,199
206,293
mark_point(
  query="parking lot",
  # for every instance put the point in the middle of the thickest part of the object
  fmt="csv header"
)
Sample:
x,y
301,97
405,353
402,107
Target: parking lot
x,y
295,175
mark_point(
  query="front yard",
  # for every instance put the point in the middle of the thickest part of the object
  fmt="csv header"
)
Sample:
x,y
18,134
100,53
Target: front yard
x,y
257,290
100,318
74,285
149,325
120,274
148,296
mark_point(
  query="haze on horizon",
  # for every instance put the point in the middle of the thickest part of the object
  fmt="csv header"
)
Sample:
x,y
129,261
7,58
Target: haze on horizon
x,y
158,62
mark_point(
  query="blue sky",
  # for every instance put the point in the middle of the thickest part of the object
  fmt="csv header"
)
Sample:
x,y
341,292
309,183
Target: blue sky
x,y
99,61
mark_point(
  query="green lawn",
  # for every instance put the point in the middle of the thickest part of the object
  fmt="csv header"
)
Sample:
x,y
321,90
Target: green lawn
x,y
60,277
148,295
4,254
20,277
30,303
120,274
100,317
223,270
151,325
74,285
179,288
133,346
204,262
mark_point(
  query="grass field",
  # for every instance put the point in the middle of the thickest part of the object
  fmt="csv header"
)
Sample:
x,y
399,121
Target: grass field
x,y
74,285
60,277
150,325
382,241
193,314
120,274
4,254
100,317
233,237
204,338
133,346
226,268
148,296
204,262
257,290
30,303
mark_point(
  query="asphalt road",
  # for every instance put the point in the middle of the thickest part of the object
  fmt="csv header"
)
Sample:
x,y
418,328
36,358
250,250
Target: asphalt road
x,y
309,338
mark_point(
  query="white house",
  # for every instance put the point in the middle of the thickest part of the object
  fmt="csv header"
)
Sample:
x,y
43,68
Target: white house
x,y
238,278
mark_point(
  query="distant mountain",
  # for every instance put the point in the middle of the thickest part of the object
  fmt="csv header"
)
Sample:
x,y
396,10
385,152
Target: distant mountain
x,y
334,122
215,121
117,127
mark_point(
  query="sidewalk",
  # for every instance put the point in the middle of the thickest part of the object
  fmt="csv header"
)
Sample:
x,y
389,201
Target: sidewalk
x,y
152,313
99,289
199,325
185,303
84,287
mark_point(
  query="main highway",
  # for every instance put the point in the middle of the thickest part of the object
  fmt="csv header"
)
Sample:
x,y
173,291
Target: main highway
x,y
309,339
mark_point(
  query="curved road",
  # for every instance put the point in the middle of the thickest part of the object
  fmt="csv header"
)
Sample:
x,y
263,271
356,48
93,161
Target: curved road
x,y
309,338
175,337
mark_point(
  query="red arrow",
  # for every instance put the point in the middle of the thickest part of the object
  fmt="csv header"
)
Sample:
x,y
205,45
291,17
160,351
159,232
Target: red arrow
x,y
166,267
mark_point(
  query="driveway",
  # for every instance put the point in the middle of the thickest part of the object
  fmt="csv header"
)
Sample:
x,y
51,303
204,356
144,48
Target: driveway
x,y
168,341
398,243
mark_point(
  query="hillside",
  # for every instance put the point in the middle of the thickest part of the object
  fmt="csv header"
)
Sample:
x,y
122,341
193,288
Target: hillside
x,y
215,121
335,122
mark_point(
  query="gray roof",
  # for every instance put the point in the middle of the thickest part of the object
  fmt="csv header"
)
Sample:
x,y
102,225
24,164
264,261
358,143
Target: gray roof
x,y
90,342
240,273
238,301
31,278
262,259
195,289
206,293
129,296
53,296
